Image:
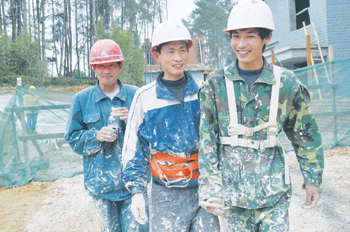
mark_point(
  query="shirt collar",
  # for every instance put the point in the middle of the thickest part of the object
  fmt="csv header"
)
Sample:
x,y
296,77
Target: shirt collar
x,y
163,92
265,77
101,95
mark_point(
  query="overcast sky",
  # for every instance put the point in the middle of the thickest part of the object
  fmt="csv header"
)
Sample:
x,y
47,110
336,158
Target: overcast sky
x,y
179,9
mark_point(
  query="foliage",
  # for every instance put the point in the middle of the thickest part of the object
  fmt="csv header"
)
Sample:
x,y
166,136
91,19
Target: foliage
x,y
76,74
211,67
218,50
61,81
52,27
11,80
21,58
134,65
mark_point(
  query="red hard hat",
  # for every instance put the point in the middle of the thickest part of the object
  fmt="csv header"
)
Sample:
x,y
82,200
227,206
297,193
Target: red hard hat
x,y
105,51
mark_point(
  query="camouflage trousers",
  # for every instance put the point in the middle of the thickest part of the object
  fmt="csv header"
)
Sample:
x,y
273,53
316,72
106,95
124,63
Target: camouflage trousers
x,y
275,218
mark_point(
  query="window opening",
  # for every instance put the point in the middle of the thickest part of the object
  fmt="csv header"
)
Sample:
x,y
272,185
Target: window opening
x,y
302,12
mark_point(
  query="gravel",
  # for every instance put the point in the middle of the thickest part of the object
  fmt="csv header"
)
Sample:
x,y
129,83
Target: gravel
x,y
64,205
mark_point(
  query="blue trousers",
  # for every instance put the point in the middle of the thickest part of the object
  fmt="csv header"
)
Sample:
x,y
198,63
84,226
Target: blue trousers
x,y
115,216
177,210
31,121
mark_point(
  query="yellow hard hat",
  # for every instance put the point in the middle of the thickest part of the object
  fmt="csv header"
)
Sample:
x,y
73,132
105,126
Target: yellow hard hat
x,y
32,87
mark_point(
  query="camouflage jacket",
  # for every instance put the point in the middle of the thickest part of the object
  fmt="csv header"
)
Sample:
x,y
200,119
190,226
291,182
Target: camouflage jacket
x,y
246,177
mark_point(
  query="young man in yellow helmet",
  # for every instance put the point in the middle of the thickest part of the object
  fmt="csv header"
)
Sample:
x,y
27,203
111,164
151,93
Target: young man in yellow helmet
x,y
243,170
89,135
162,133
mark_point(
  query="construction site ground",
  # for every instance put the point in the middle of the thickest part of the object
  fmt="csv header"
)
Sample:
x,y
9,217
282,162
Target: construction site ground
x,y
64,204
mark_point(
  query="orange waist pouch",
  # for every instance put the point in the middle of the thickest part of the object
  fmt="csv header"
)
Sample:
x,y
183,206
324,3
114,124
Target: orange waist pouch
x,y
176,171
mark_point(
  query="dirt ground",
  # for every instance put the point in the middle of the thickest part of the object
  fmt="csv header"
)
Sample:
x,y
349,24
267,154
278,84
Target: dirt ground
x,y
64,205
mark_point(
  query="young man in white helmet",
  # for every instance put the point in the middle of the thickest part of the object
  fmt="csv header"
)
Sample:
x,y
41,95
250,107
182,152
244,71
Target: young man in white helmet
x,y
89,135
162,133
243,171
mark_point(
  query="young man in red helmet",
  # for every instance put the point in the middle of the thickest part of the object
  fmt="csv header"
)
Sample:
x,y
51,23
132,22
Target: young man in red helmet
x,y
243,171
162,133
88,135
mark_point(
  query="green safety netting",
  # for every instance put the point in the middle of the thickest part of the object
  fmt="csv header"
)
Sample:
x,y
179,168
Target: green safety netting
x,y
41,155
44,155
328,84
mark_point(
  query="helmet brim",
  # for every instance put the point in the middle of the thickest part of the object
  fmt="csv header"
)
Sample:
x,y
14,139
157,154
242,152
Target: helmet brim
x,y
188,41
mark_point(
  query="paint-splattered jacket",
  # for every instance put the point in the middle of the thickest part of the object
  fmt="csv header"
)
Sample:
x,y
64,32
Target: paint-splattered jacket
x,y
158,121
246,177
89,112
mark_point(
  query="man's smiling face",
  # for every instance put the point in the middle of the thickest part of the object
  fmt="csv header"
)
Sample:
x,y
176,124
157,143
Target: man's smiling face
x,y
248,46
174,58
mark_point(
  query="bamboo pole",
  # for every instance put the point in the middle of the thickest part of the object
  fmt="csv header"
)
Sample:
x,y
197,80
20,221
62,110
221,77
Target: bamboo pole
x,y
308,50
333,94
331,53
273,61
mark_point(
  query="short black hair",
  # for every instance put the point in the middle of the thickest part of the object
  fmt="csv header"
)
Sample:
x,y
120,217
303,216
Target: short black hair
x,y
264,33
159,47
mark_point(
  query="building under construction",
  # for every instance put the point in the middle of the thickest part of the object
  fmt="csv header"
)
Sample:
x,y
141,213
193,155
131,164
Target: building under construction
x,y
326,21
196,61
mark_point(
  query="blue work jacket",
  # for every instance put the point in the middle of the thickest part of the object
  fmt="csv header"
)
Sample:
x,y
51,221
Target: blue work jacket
x,y
89,112
158,121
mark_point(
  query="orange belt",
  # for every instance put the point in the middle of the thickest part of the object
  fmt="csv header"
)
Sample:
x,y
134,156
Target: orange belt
x,y
177,170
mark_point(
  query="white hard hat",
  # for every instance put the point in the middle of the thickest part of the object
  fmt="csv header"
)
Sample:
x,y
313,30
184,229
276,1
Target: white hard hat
x,y
250,14
170,31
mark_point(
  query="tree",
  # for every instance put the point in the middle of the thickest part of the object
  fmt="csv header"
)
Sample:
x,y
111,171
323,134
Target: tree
x,y
218,51
20,57
3,16
77,36
70,43
134,65
13,19
43,28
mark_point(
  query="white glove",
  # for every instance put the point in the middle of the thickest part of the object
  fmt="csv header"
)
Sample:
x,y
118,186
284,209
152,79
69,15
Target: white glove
x,y
214,205
138,208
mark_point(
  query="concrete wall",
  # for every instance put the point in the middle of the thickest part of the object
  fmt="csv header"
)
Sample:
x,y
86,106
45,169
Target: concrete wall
x,y
284,16
330,17
338,24
148,77
198,75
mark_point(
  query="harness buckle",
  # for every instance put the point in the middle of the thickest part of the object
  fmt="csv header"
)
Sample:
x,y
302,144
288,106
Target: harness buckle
x,y
262,146
232,130
272,129
170,183
249,132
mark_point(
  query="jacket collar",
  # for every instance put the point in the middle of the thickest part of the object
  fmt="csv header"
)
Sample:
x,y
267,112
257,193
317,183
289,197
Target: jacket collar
x,y
265,77
101,95
163,92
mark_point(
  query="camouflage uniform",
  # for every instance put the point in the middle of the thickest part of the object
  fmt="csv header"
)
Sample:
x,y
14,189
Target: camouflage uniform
x,y
273,218
245,177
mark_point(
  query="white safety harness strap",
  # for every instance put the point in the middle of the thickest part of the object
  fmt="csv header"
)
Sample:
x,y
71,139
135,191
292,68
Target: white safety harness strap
x,y
235,129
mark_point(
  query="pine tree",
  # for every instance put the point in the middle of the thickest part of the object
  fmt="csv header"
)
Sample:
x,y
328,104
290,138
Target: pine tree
x,y
210,19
